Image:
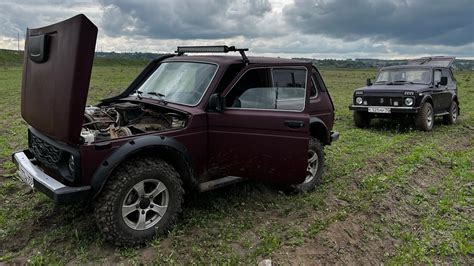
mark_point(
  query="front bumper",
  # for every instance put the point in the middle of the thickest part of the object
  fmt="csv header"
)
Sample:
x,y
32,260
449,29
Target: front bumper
x,y
393,109
32,175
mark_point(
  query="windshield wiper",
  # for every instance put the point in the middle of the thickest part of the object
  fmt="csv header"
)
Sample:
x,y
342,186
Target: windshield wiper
x,y
396,82
160,95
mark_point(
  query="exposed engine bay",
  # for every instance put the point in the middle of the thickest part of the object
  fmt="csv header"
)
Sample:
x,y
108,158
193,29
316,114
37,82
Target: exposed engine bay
x,y
125,119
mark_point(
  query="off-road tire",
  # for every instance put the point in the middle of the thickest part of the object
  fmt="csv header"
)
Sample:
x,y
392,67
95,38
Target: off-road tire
x,y
424,119
108,212
361,119
452,117
309,185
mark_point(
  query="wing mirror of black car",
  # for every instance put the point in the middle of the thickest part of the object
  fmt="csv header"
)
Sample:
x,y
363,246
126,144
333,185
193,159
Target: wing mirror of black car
x,y
216,103
443,81
368,82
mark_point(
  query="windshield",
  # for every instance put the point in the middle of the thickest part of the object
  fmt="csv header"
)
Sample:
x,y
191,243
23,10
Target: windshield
x,y
404,75
178,82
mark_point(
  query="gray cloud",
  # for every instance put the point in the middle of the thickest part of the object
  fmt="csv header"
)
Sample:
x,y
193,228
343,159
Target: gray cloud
x,y
323,29
405,22
204,19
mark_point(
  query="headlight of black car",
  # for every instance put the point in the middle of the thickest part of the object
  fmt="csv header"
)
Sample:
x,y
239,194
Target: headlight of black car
x,y
409,101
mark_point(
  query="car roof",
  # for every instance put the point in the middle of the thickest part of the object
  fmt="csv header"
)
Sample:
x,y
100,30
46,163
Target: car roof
x,y
229,60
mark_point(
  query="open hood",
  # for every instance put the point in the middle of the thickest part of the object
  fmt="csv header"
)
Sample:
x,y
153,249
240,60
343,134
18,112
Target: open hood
x,y
56,73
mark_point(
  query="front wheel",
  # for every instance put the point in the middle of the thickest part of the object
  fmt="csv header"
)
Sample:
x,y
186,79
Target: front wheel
x,y
315,167
424,119
452,117
142,198
361,119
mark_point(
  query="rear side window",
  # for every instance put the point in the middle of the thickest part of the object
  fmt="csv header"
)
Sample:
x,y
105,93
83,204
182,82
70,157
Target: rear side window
x,y
447,74
277,89
437,76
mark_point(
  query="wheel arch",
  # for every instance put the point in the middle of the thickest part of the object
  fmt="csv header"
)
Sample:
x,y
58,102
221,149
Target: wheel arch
x,y
428,99
319,130
165,148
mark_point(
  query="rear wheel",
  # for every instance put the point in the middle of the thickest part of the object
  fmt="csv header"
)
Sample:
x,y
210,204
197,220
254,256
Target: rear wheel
x,y
142,198
361,119
424,119
452,117
315,167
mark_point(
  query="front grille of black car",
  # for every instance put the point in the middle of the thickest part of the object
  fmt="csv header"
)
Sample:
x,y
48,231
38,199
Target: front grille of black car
x,y
384,101
44,152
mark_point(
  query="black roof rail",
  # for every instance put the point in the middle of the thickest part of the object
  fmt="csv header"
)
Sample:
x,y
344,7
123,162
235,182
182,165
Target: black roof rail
x,y
439,61
213,49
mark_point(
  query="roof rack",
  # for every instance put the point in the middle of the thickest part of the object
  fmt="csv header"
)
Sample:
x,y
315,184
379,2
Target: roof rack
x,y
213,49
441,61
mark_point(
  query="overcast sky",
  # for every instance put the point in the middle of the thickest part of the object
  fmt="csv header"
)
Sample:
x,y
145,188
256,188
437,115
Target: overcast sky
x,y
301,28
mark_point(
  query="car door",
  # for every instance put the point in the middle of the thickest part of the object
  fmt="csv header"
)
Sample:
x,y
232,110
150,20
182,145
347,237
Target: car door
x,y
263,131
439,91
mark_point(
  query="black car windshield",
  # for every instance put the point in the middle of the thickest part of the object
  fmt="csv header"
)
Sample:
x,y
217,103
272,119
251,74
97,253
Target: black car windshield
x,y
178,82
404,75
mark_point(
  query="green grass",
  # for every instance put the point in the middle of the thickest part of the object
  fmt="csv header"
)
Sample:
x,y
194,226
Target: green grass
x,y
391,194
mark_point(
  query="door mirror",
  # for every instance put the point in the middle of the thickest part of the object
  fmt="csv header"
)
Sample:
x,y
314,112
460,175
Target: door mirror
x,y
216,103
369,82
443,81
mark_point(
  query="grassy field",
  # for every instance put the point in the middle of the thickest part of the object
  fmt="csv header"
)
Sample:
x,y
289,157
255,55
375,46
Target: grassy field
x,y
391,194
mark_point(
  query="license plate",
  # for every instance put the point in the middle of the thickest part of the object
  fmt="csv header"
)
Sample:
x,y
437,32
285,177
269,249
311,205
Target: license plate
x,y
25,176
380,110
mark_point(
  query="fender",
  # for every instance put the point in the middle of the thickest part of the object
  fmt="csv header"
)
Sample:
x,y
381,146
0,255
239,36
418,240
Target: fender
x,y
173,149
426,97
315,123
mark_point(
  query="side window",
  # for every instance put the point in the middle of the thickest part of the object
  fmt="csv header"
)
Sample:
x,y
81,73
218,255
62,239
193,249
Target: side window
x,y
314,90
281,89
437,76
319,81
446,73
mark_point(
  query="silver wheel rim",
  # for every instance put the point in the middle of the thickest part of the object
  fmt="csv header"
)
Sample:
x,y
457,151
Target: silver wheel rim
x,y
429,117
313,164
454,112
145,204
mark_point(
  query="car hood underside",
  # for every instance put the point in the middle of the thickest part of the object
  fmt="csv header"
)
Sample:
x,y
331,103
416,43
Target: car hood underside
x,y
56,74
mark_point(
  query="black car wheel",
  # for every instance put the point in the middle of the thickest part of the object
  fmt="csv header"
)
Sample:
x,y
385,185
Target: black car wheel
x,y
452,117
142,198
315,167
361,119
424,119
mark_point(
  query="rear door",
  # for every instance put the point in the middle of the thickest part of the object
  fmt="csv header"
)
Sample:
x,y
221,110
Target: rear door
x,y
263,131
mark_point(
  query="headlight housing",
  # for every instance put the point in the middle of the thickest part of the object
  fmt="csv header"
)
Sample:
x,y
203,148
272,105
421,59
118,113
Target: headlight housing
x,y
409,101
359,100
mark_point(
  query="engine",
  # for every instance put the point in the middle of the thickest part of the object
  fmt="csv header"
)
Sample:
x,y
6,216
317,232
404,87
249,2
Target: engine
x,y
126,119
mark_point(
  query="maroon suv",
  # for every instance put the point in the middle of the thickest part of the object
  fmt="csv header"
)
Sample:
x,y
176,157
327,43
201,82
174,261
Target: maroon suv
x,y
185,123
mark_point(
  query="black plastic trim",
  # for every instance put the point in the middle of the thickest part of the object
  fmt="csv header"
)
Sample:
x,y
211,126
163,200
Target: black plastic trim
x,y
134,146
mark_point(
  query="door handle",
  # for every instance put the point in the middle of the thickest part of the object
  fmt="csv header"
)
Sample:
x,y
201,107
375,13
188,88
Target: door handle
x,y
294,123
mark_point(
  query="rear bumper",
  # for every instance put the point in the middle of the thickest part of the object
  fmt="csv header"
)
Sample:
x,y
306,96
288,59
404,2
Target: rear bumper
x,y
393,109
32,175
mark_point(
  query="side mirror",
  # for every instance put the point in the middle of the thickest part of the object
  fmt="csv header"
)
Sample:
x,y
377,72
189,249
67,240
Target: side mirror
x,y
216,103
369,82
443,81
